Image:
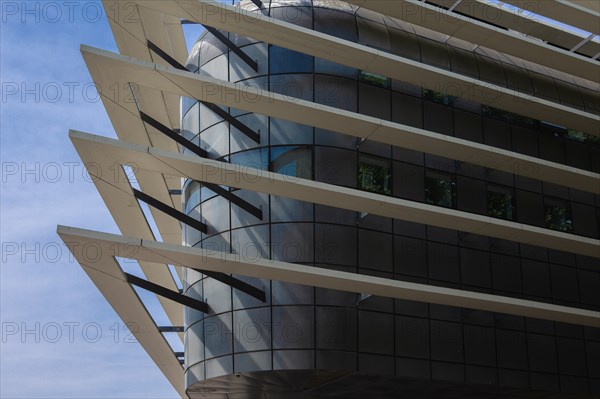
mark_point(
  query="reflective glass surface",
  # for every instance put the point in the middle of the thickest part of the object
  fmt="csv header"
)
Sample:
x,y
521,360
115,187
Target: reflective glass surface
x,y
557,215
374,174
292,161
500,202
440,189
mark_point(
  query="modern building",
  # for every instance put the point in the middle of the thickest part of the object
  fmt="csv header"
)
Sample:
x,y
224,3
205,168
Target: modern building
x,y
362,199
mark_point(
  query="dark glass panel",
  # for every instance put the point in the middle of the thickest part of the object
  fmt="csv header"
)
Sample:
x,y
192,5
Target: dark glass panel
x,y
500,202
404,44
463,62
440,189
292,161
374,174
569,94
434,53
518,78
557,215
288,61
491,70
256,158
336,23
544,86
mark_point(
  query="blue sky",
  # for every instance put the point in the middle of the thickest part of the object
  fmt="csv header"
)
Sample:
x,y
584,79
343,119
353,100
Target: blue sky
x,y
60,338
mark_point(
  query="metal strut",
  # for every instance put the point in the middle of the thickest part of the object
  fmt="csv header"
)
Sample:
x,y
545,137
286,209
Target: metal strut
x,y
182,217
167,293
166,329
236,283
173,135
214,108
165,56
245,205
161,206
232,46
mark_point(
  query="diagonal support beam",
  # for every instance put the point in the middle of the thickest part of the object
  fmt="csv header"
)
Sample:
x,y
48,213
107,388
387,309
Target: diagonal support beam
x,y
214,108
173,135
245,205
251,134
164,292
168,329
229,196
232,46
182,217
236,283
163,54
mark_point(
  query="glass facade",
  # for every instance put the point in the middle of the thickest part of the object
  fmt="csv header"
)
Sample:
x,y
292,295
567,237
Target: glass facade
x,y
306,328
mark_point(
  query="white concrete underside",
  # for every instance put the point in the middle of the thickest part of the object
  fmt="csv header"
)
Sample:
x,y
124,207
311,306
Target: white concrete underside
x,y
157,252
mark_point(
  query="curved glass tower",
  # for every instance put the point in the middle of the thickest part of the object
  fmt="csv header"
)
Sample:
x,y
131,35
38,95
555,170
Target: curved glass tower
x,y
303,337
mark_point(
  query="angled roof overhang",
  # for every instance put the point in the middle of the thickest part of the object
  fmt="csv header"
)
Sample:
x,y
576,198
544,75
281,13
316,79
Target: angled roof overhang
x,y
221,173
582,14
525,22
107,68
261,27
106,273
157,252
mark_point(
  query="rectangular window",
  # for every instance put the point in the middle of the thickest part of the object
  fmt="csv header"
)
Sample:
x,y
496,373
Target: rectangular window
x,y
437,97
374,174
582,137
440,189
557,214
500,202
374,79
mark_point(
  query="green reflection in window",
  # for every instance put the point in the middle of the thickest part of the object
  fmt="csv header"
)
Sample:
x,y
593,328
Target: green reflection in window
x,y
374,79
440,189
500,202
437,97
374,174
557,215
582,137
497,113
292,161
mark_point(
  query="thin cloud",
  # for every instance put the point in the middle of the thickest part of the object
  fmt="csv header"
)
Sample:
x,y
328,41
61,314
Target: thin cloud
x,y
43,290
